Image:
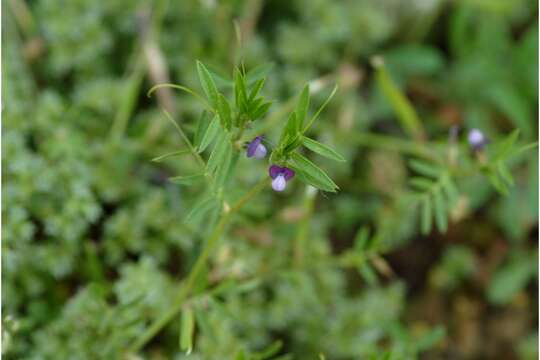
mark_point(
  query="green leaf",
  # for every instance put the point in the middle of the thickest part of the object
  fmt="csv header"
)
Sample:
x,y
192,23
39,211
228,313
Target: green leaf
x,y
216,156
210,134
179,87
202,126
322,149
421,183
361,239
425,168
168,155
505,173
368,274
510,279
497,183
504,148
205,326
290,131
425,215
261,110
240,91
224,112
321,108
258,72
187,328
223,167
432,337
302,107
270,351
207,83
440,212
450,189
230,171
312,174
256,89
406,114
202,207
187,179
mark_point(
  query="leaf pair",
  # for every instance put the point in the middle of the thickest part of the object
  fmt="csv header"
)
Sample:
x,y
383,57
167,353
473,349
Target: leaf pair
x,y
311,174
497,170
437,193
250,106
220,159
216,99
293,130
292,137
363,245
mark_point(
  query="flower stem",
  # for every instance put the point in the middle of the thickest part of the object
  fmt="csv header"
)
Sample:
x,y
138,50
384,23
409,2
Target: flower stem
x,y
196,270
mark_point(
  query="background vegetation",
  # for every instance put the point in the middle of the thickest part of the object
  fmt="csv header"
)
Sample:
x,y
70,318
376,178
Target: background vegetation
x,y
96,239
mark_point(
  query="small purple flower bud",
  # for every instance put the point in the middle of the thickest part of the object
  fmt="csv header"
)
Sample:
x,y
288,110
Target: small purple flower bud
x,y
477,140
280,176
256,149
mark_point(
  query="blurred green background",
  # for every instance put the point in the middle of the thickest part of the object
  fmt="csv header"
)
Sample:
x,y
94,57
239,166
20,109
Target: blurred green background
x,y
94,242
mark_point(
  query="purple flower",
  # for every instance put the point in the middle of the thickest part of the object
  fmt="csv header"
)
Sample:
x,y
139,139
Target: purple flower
x,y
280,176
256,149
477,140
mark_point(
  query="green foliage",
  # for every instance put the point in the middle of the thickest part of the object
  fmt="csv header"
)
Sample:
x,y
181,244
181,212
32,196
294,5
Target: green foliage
x,y
457,264
512,278
102,233
436,192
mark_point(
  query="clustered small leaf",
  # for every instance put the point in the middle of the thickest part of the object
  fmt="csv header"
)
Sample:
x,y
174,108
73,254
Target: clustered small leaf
x,y
222,125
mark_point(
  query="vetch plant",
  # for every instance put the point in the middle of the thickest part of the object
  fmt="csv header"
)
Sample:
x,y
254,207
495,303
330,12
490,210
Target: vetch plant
x,y
220,128
435,185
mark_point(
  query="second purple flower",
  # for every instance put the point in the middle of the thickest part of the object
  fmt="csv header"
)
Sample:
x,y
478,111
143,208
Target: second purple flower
x,y
256,149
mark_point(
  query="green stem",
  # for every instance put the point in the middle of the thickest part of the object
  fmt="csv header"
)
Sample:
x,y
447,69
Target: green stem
x,y
196,270
186,140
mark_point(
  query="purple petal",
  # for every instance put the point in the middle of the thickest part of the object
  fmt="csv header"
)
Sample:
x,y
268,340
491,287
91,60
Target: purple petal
x,y
253,145
274,171
289,173
260,152
477,139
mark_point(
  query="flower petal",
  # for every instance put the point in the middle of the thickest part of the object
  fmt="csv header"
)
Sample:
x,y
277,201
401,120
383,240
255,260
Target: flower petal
x,y
289,173
253,145
279,183
274,171
260,152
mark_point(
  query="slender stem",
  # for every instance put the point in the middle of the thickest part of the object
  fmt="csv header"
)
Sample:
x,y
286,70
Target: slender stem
x,y
197,268
125,111
23,17
186,140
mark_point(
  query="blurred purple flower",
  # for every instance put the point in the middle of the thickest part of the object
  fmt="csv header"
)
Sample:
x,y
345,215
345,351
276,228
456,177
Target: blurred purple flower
x,y
280,176
477,140
256,149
